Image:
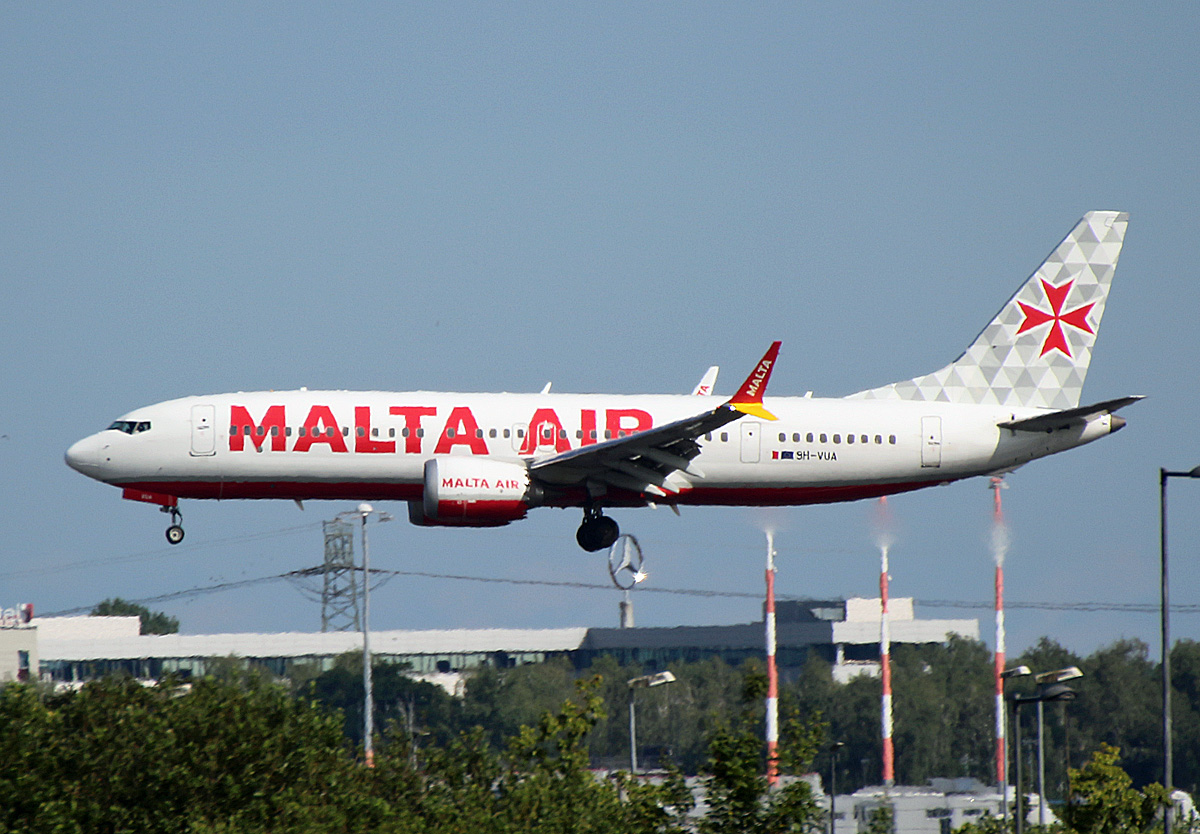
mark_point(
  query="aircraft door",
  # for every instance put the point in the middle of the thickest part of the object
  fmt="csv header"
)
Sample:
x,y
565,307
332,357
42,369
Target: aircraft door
x,y
750,441
931,442
204,434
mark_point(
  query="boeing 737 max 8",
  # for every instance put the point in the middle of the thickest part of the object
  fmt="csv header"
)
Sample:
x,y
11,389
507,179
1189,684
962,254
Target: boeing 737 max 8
x,y
480,460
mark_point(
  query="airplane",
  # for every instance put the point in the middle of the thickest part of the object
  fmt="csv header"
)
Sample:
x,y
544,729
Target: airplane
x,y
484,460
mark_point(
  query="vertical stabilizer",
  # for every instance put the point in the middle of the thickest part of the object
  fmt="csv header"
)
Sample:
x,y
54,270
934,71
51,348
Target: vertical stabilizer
x,y
1036,351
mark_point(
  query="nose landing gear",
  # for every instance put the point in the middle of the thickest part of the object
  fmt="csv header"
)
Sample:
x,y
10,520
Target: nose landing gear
x,y
597,531
175,531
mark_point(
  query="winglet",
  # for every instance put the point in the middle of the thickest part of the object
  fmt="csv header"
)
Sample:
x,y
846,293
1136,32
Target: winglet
x,y
705,388
748,399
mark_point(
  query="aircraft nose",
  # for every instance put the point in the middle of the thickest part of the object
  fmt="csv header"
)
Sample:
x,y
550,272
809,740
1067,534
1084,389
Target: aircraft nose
x,y
84,456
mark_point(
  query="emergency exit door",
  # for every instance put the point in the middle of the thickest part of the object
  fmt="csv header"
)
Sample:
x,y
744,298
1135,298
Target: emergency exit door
x,y
750,442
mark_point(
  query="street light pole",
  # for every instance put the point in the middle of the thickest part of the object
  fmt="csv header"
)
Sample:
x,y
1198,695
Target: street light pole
x,y
1165,613
1041,764
363,512
642,682
833,751
1020,809
1015,672
368,689
1050,688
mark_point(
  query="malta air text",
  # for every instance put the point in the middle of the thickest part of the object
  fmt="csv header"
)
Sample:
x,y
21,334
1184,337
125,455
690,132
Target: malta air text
x,y
417,426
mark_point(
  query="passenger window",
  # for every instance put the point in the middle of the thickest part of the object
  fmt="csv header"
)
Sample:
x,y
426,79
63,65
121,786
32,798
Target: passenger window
x,y
724,437
878,439
360,431
809,437
782,437
287,432
404,432
391,432
260,430
303,432
865,439
708,436
593,434
849,438
274,431
449,432
233,431
837,438
892,439
562,434
479,432
608,434
491,433
506,433
329,432
796,437
823,437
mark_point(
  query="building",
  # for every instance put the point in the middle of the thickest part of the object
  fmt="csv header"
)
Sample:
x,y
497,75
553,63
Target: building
x,y
18,643
844,632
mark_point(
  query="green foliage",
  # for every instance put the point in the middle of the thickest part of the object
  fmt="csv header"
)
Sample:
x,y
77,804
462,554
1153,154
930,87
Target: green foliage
x,y
738,794
117,756
1104,800
153,622
403,706
882,821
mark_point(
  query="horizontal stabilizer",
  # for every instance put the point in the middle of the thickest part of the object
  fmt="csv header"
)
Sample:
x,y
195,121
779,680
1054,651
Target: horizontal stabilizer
x,y
1070,416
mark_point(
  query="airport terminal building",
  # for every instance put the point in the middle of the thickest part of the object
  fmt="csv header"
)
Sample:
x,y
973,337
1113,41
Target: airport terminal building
x,y
72,650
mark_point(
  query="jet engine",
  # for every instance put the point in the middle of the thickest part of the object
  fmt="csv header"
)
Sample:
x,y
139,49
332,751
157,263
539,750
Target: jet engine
x,y
468,492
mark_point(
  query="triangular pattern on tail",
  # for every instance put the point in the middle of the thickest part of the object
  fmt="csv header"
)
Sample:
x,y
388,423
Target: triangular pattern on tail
x,y
1036,351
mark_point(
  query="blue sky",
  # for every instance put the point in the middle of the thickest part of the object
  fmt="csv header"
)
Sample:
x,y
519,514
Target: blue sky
x,y
612,197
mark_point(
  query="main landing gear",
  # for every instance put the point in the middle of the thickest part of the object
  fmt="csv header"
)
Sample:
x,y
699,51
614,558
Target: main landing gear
x,y
597,531
175,531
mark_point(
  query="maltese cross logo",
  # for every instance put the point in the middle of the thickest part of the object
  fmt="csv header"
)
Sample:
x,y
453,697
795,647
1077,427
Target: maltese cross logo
x,y
1056,339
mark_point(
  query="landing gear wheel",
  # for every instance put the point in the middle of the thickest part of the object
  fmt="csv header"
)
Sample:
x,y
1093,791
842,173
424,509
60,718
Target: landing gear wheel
x,y
597,532
175,531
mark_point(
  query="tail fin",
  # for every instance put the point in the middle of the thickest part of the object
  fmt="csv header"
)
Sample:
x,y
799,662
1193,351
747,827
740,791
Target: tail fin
x,y
1036,351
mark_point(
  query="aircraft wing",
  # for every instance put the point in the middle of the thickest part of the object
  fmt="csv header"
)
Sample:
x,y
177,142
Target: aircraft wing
x,y
647,462
1063,419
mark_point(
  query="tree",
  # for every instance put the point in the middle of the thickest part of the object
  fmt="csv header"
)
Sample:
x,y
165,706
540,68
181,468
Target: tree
x,y
118,756
1104,800
738,794
403,705
153,622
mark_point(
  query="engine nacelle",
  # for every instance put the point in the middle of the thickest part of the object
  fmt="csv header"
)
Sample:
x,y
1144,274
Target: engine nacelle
x,y
468,492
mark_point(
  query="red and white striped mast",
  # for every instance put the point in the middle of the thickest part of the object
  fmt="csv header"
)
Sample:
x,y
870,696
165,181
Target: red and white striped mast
x,y
885,653
772,674
999,548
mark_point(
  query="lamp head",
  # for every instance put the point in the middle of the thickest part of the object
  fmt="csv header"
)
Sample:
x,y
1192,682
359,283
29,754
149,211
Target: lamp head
x,y
1016,672
1057,692
1058,675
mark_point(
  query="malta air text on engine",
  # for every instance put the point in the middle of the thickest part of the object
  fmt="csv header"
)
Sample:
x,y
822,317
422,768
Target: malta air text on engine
x,y
411,428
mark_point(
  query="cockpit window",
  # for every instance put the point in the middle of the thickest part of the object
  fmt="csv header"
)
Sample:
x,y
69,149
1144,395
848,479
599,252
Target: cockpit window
x,y
130,426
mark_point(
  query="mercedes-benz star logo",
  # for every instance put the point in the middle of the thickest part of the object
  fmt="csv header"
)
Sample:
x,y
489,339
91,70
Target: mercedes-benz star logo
x,y
625,562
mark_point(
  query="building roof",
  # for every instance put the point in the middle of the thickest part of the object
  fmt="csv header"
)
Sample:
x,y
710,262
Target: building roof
x,y
807,623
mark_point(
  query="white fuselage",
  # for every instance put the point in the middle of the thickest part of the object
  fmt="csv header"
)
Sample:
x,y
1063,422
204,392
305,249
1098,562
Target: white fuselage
x,y
372,445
